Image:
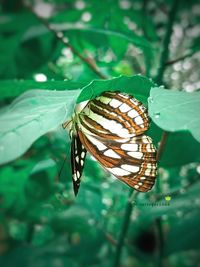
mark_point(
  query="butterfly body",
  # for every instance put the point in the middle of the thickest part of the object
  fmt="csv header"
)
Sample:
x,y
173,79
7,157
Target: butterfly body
x,y
111,128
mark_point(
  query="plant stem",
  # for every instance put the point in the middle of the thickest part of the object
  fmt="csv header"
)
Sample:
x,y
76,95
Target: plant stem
x,y
144,10
30,233
90,62
173,61
124,229
162,145
166,42
159,80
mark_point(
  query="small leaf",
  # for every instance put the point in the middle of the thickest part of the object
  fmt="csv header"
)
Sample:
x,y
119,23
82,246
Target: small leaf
x,y
175,111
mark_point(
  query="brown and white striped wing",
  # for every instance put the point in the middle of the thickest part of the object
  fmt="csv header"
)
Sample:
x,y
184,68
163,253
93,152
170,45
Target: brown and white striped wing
x,y
133,161
114,115
111,128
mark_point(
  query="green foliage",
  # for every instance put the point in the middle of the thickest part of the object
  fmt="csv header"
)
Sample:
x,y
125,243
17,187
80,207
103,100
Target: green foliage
x,y
52,56
138,86
179,141
30,116
37,112
11,89
163,107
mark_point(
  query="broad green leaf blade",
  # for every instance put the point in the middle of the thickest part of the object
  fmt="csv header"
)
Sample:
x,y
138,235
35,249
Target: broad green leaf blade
x,y
37,112
175,111
178,142
136,85
31,115
13,88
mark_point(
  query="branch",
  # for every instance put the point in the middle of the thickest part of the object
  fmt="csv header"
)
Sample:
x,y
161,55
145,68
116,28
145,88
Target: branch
x,y
162,145
178,191
30,233
173,61
144,10
90,62
166,42
124,228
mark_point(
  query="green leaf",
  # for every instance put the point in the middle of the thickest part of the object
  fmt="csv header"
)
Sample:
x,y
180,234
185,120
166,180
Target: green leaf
x,y
14,22
73,219
113,37
175,111
11,89
14,52
12,183
43,47
136,85
19,255
30,116
78,29
81,36
37,112
147,25
183,233
195,44
179,142
40,184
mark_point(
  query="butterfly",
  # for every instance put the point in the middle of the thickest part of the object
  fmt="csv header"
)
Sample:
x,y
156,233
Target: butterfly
x,y
111,128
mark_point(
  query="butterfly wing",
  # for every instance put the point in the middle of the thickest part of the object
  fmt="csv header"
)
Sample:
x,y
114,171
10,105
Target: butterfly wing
x,y
133,160
111,128
78,154
114,115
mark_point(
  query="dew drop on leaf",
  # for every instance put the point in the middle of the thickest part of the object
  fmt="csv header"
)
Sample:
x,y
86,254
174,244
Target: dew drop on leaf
x,y
157,115
150,99
198,167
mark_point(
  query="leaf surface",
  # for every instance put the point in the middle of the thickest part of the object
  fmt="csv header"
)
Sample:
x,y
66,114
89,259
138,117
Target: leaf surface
x,y
175,111
30,116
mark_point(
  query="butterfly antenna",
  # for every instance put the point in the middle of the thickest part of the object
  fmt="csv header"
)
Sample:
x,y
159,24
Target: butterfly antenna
x,y
63,164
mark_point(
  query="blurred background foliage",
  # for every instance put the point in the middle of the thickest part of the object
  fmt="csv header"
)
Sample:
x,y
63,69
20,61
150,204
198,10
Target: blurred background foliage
x,y
63,44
